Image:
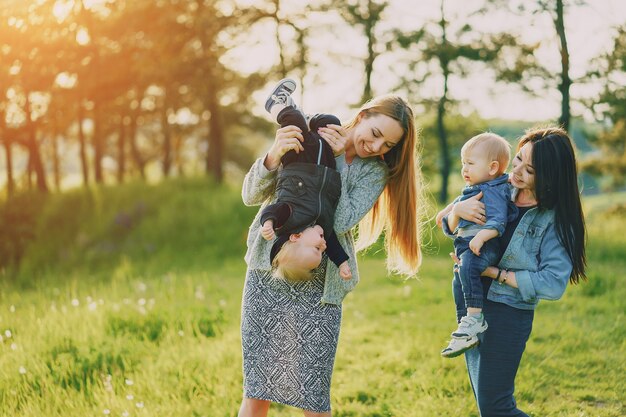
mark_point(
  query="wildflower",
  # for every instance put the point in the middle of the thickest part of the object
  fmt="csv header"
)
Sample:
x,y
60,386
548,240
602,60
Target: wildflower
x,y
92,306
125,413
106,411
12,309
75,302
7,333
181,333
13,346
129,381
199,293
141,301
130,397
139,404
22,370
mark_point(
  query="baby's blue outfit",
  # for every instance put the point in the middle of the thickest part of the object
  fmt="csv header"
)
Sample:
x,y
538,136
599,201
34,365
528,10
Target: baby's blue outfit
x,y
499,209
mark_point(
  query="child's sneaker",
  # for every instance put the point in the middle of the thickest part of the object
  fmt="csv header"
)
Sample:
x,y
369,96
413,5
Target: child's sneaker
x,y
281,94
465,337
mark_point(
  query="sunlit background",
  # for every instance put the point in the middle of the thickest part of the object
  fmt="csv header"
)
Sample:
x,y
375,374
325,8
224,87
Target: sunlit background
x,y
126,128
102,91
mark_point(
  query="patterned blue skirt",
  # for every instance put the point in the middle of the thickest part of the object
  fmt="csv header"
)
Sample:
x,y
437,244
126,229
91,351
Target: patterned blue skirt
x,y
289,341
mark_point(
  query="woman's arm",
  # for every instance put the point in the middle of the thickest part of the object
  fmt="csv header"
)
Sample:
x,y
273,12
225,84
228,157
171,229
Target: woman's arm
x,y
555,267
471,209
549,281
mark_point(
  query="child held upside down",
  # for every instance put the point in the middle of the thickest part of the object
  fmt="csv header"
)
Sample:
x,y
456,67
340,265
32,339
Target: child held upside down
x,y
308,190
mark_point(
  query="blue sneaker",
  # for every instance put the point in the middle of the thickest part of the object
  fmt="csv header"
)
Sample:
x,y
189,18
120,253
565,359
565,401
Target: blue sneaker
x,y
281,94
465,337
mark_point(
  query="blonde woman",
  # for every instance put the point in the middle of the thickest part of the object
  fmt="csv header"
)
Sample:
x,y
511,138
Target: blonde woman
x,y
290,330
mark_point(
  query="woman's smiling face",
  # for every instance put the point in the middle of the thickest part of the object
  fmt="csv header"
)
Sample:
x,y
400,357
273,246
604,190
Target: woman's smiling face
x,y
376,134
523,173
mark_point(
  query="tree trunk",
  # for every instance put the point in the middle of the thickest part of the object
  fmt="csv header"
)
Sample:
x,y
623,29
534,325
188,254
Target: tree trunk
x,y
56,163
441,111
134,149
167,139
98,146
369,60
8,151
216,136
121,152
443,144
34,151
281,53
9,165
566,81
82,145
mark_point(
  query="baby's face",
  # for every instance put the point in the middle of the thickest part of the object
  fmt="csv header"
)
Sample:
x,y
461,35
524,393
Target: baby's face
x,y
475,166
311,245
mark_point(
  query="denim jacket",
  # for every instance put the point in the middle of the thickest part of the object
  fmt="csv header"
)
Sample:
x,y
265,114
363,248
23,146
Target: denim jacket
x,y
541,264
499,207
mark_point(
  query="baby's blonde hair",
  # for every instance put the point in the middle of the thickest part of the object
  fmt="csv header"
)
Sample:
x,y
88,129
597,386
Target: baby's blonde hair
x,y
285,269
495,146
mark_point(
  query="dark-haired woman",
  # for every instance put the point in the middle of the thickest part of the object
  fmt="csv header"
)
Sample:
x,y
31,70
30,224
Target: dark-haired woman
x,y
544,249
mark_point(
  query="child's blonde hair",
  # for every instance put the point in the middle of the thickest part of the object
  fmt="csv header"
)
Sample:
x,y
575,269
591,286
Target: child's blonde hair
x,y
494,146
285,269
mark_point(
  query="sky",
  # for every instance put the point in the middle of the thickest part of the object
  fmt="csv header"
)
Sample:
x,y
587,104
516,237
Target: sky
x,y
337,82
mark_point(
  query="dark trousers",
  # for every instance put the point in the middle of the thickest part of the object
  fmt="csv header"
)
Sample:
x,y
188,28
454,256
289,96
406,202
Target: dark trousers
x,y
468,277
492,366
314,146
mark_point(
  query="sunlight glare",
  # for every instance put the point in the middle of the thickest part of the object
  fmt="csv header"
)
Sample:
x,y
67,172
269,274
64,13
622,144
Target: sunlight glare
x,y
62,9
66,80
82,36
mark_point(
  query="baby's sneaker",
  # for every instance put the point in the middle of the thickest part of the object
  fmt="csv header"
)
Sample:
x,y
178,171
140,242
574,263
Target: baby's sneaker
x,y
281,94
466,336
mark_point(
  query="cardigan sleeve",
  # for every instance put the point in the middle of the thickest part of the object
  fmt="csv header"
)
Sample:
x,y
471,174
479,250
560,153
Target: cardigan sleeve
x,y
359,191
259,184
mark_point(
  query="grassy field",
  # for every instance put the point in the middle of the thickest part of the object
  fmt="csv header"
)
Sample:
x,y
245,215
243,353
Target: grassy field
x,y
145,322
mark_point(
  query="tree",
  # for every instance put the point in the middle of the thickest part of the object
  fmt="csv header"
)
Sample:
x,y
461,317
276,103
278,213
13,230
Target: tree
x,y
610,109
452,54
557,10
366,14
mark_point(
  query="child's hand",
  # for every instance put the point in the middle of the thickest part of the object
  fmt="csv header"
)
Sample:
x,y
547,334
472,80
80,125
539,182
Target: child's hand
x,y
267,231
475,244
344,271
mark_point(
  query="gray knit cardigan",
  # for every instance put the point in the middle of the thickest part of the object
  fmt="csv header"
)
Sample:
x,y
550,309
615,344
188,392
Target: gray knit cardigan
x,y
362,182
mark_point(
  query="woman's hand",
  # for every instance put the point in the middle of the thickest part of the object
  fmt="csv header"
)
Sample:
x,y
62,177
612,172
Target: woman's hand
x,y
287,138
490,271
471,209
336,136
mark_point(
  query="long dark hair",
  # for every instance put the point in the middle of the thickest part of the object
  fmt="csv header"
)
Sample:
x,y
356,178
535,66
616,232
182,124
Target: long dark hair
x,y
556,188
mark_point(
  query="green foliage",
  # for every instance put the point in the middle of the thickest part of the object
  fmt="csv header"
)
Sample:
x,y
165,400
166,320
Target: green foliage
x,y
159,335
19,217
101,228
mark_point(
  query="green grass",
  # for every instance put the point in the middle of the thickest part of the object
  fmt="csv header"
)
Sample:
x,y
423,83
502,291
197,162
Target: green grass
x,y
157,333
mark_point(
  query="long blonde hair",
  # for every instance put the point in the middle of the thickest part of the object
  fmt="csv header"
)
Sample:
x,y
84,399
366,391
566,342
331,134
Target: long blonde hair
x,y
396,212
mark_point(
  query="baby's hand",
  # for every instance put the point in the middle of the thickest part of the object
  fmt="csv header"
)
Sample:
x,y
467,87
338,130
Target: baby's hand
x,y
267,231
475,244
344,271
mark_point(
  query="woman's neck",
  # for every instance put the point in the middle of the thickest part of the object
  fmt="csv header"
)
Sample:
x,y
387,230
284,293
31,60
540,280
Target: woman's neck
x,y
526,198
